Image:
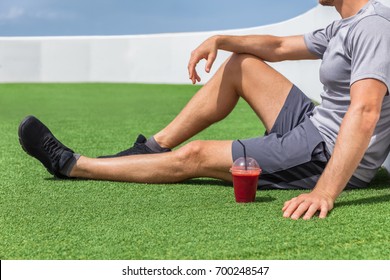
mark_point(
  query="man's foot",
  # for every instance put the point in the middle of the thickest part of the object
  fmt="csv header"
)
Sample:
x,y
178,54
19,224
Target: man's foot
x,y
139,148
37,141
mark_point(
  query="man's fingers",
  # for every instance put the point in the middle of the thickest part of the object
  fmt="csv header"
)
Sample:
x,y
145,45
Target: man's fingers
x,y
207,50
300,210
324,212
210,61
306,206
197,77
192,73
311,212
305,209
190,70
289,207
192,67
287,204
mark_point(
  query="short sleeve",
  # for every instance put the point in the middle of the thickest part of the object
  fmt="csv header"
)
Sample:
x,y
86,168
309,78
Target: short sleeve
x,y
369,50
317,41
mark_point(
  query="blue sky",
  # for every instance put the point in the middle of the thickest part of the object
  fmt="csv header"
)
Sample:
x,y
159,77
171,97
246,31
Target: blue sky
x,y
124,17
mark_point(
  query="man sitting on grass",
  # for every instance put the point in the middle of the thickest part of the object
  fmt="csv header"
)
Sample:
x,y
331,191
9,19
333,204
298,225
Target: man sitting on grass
x,y
340,143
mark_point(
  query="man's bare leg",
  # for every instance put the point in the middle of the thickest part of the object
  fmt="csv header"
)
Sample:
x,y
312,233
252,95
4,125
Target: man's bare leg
x,y
197,159
243,76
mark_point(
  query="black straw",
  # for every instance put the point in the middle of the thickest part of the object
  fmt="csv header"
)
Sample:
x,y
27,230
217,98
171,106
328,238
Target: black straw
x,y
242,144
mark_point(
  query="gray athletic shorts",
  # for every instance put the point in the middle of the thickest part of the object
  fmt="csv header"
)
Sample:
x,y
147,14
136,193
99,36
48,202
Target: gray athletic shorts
x,y
293,154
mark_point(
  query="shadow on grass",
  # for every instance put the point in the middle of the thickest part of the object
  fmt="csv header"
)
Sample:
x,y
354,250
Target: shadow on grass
x,y
381,180
208,182
214,182
264,199
367,200
195,182
56,179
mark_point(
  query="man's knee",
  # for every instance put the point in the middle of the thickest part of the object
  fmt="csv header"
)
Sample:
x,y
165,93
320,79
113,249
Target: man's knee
x,y
242,66
190,156
204,159
190,151
238,61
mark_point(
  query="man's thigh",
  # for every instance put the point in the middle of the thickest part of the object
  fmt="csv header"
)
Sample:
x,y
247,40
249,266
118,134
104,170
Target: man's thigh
x,y
294,111
259,84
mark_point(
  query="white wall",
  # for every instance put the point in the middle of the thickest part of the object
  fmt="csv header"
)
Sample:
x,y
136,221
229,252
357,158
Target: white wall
x,y
158,58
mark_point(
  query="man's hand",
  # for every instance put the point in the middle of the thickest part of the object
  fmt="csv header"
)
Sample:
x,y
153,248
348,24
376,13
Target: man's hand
x,y
307,205
352,141
207,50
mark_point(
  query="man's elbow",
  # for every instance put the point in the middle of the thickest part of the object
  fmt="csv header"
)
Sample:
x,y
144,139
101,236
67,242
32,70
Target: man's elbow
x,y
369,116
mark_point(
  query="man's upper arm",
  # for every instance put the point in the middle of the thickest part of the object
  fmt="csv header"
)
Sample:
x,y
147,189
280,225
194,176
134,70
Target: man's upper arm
x,y
368,94
294,48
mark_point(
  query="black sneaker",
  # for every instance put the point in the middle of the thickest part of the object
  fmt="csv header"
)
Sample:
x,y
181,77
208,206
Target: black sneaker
x,y
139,148
37,141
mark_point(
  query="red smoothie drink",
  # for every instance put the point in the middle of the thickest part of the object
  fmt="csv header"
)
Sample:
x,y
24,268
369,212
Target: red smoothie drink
x,y
245,179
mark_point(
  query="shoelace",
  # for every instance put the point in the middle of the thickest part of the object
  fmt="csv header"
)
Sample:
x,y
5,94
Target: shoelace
x,y
53,148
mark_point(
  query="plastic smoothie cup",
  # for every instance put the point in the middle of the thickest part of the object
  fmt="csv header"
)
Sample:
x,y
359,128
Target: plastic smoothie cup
x,y
245,179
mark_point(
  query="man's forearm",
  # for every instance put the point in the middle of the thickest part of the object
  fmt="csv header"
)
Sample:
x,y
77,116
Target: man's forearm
x,y
352,142
263,46
267,47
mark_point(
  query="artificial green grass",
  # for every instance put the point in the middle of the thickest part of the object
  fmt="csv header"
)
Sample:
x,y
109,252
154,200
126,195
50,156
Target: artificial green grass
x,y
44,218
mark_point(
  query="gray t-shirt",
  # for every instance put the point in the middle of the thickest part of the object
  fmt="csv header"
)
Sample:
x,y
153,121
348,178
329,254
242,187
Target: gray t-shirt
x,y
353,49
